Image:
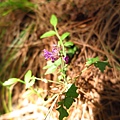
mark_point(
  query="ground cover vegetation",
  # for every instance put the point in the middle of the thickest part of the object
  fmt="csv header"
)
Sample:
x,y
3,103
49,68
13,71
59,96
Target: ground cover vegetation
x,y
60,60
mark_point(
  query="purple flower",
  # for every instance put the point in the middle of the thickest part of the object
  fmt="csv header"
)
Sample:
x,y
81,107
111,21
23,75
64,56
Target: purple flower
x,y
66,59
53,55
47,54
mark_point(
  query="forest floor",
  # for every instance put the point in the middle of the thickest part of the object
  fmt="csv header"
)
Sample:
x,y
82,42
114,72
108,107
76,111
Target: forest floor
x,y
94,28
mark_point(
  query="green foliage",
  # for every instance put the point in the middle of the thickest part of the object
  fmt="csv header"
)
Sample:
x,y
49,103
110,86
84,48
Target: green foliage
x,y
65,35
99,64
48,34
51,69
53,20
10,81
72,91
52,66
28,76
67,47
29,79
68,102
63,112
71,48
68,44
91,61
65,104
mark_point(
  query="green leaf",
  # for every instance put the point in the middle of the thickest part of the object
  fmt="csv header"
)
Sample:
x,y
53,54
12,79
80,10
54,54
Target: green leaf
x,y
72,91
71,51
48,34
61,102
53,20
51,69
68,44
28,76
63,112
65,35
68,102
92,61
31,82
58,62
74,48
10,81
49,64
101,65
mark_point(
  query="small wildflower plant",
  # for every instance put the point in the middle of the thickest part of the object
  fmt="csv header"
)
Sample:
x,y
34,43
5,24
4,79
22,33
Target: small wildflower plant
x,y
57,61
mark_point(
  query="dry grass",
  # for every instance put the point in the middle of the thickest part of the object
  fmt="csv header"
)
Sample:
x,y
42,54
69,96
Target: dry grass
x,y
95,28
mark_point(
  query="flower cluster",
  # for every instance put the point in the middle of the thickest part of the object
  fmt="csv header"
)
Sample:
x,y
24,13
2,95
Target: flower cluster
x,y
54,55
51,55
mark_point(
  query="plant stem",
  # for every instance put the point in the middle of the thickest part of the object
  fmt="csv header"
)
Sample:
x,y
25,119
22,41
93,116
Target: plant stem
x,y
61,43
4,101
9,99
64,54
